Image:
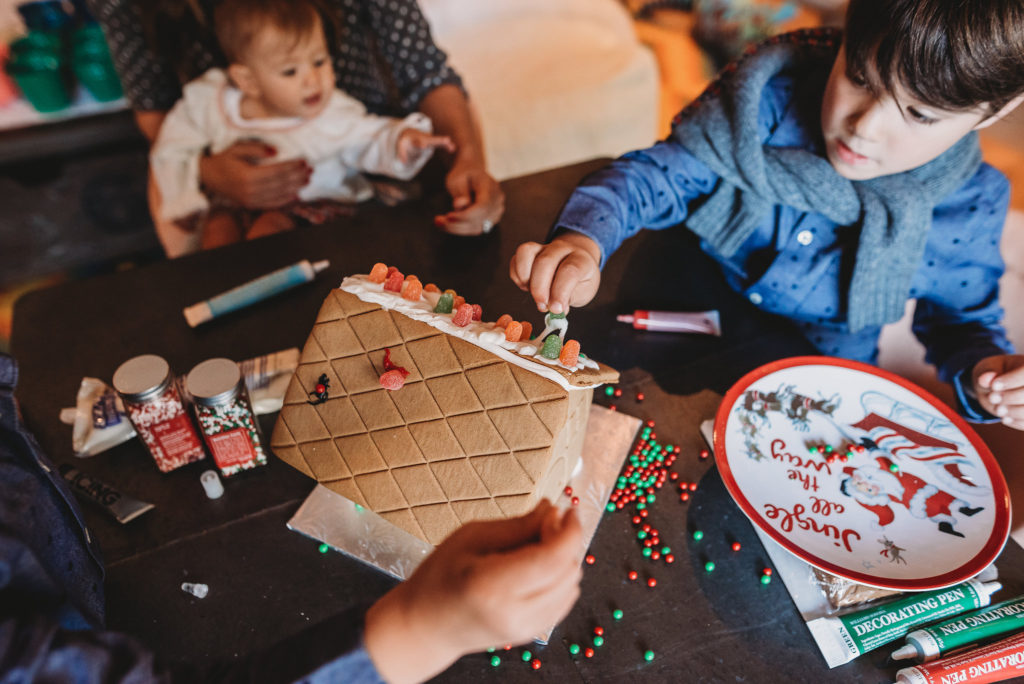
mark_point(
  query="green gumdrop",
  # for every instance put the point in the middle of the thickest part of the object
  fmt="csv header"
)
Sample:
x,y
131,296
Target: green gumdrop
x,y
552,346
444,303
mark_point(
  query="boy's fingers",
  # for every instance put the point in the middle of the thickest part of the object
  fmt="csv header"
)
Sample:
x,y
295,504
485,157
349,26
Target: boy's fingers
x,y
1009,379
522,263
1014,397
545,267
536,566
500,535
571,272
985,379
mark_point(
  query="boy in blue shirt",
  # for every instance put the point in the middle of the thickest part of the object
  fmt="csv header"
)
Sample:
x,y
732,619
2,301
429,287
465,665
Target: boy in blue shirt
x,y
834,175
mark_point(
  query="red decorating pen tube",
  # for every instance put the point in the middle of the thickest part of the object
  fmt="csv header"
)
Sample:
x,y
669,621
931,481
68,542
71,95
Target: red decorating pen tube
x,y
702,322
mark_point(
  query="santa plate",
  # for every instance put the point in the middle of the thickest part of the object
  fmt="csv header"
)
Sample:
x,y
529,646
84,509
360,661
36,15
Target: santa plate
x,y
861,473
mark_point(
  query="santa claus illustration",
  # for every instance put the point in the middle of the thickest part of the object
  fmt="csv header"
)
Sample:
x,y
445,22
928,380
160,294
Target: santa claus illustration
x,y
877,486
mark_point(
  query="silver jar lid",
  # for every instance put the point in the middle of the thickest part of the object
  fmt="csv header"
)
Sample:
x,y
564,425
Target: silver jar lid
x,y
214,382
142,377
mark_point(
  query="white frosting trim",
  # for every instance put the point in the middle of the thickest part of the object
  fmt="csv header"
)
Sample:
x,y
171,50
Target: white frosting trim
x,y
483,334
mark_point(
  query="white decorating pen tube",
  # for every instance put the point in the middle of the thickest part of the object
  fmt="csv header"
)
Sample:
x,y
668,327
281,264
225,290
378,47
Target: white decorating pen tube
x,y
704,322
254,291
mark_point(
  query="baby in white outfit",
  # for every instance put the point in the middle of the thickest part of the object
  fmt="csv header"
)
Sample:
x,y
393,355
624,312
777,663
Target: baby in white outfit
x,y
278,89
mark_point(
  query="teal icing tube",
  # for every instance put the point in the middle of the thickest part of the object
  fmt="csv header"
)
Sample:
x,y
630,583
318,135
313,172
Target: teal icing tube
x,y
843,638
931,642
253,291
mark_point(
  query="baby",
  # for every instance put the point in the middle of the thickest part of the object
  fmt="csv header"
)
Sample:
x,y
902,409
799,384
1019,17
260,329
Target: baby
x,y
279,90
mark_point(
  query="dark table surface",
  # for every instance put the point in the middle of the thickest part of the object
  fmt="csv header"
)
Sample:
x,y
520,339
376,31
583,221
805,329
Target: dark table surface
x,y
267,582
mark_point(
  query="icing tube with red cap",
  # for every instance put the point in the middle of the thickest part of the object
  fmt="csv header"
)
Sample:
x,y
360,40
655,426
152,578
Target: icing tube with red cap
x,y
703,322
993,663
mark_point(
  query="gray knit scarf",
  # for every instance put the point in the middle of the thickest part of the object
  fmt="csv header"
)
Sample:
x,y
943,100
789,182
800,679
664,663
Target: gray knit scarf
x,y
894,212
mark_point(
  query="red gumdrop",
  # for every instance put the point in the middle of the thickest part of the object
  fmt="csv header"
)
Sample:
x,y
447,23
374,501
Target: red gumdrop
x,y
412,290
392,269
394,281
457,302
478,312
463,315
570,354
378,273
392,380
527,331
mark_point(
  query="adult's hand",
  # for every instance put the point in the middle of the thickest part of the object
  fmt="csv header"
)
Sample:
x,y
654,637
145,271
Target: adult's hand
x,y
243,174
477,200
488,584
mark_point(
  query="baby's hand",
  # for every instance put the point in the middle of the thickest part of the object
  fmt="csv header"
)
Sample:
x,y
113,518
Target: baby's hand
x,y
999,385
565,272
412,142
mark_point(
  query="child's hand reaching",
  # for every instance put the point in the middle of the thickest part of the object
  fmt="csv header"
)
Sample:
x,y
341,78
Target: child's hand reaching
x,y
488,584
999,385
565,272
412,143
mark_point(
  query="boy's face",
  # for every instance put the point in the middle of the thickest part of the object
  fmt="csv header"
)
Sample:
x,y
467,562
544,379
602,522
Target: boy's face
x,y
288,77
867,136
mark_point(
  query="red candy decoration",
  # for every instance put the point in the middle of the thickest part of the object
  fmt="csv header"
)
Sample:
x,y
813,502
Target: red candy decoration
x,y
639,396
670,558
478,312
463,315
535,663
590,559
767,571
599,631
633,575
393,377
588,653
393,283
735,546
568,491
575,501
652,582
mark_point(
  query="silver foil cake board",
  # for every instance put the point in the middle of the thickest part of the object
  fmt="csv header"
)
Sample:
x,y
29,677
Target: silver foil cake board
x,y
360,533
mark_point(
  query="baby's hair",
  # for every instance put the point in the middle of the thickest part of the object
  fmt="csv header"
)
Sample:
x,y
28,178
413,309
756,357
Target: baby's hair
x,y
236,22
952,54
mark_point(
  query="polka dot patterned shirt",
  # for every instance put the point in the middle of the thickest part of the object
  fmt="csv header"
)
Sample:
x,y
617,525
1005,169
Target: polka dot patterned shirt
x,y
384,55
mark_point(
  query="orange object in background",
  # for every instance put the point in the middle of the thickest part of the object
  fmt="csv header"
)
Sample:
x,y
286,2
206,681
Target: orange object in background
x,y
8,91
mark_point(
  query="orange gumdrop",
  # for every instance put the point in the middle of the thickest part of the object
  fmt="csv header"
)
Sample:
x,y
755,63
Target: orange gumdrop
x,y
503,321
527,331
459,301
412,290
513,331
431,287
378,273
452,292
570,355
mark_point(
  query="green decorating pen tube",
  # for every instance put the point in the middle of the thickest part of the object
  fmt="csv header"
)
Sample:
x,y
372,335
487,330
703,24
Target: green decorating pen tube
x,y
931,642
843,638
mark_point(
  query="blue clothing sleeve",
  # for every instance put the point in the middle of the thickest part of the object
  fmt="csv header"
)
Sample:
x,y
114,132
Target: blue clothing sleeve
x,y
654,187
959,321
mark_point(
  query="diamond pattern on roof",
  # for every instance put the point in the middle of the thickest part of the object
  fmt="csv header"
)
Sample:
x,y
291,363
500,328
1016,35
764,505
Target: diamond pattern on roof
x,y
468,437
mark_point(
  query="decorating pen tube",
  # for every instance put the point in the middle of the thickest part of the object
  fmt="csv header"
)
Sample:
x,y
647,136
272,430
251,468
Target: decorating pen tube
x,y
120,506
843,638
937,640
254,291
993,663
702,322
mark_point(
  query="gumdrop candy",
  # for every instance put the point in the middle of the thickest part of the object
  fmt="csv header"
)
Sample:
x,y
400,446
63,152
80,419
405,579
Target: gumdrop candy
x,y
503,321
392,380
444,304
459,301
451,292
412,290
478,312
378,273
394,281
463,315
513,331
552,347
431,287
527,331
570,355
392,269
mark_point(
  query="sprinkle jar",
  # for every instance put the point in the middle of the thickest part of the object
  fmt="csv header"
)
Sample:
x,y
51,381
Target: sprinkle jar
x,y
154,407
225,415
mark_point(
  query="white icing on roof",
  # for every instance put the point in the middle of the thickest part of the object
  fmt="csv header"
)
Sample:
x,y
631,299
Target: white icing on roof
x,y
483,334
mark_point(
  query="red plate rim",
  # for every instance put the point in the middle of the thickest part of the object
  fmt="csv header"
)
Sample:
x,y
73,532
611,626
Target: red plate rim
x,y
1000,492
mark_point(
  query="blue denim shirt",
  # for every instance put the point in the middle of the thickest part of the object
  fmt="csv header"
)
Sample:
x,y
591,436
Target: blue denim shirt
x,y
51,592
797,264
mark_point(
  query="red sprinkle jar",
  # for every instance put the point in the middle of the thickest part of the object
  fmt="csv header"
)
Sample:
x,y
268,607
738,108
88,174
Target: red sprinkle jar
x,y
154,406
225,415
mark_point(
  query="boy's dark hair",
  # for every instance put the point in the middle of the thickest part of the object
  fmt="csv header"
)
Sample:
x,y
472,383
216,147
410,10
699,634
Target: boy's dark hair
x,y
950,54
236,22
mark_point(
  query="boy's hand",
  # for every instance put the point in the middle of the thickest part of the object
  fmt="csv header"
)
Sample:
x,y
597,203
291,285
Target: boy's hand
x,y
412,143
999,385
563,273
488,584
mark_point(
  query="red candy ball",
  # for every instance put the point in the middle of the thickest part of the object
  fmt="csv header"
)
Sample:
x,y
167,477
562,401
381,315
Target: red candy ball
x,y
590,559
735,546
652,582
633,575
